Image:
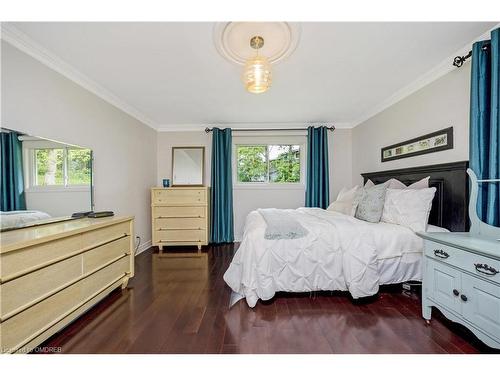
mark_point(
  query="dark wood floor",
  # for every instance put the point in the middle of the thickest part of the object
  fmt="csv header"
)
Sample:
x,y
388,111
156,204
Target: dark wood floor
x,y
180,306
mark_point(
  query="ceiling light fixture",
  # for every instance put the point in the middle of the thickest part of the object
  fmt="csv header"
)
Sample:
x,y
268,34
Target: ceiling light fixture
x,y
257,75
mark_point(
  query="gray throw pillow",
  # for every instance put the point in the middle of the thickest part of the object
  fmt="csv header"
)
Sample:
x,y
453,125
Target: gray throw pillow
x,y
371,203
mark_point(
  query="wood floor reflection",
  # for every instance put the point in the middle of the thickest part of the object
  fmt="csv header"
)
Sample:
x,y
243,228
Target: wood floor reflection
x,y
181,306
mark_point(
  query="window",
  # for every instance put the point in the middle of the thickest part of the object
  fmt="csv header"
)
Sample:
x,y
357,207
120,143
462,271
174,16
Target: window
x,y
61,167
268,163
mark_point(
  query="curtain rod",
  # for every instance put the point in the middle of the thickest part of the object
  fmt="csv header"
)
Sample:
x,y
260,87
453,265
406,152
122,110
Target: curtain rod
x,y
208,130
458,61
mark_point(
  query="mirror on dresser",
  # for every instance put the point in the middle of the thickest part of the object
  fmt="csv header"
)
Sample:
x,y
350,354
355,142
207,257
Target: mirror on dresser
x,y
42,180
188,166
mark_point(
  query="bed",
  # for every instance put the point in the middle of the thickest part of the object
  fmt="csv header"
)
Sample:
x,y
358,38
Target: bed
x,y
340,252
14,219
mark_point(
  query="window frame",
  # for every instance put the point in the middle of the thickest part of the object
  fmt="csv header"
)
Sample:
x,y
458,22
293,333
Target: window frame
x,y
275,141
31,172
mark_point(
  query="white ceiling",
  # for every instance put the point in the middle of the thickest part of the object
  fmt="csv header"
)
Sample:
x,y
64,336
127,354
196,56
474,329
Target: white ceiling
x,y
172,73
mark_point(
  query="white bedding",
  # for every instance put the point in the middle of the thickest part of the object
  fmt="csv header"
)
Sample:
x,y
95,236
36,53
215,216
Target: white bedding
x,y
12,219
340,252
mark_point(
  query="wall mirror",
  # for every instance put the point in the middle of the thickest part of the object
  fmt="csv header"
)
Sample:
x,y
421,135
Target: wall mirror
x,y
188,166
42,181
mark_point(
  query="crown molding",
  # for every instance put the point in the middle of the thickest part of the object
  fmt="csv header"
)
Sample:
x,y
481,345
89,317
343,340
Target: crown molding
x,y
257,125
21,41
432,75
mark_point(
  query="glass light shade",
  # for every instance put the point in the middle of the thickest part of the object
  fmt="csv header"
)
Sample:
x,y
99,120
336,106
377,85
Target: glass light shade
x,y
257,75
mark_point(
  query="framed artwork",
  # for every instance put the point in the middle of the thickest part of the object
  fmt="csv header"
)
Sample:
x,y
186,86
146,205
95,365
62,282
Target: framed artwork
x,y
432,142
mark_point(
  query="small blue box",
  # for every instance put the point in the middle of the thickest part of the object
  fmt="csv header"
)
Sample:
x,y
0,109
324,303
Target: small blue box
x,y
166,182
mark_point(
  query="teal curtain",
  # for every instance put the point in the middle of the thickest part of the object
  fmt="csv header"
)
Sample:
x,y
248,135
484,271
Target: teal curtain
x,y
317,183
222,228
485,125
12,180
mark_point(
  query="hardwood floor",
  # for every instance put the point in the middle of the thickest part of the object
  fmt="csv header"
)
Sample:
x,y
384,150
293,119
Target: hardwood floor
x,y
181,306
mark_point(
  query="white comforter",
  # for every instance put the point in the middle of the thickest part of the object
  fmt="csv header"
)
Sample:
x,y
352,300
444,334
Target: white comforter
x,y
13,219
340,252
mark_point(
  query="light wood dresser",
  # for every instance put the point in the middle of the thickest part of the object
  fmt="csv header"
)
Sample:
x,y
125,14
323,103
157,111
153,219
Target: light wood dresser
x,y
51,274
180,216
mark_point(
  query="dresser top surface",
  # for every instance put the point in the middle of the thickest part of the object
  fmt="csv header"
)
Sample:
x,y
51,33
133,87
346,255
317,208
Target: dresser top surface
x,y
22,237
489,246
181,188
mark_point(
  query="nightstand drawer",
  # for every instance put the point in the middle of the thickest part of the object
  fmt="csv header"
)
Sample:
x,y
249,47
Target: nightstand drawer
x,y
474,263
443,253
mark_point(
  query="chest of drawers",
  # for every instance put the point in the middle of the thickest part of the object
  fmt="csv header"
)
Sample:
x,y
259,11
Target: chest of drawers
x,y
53,273
462,279
180,216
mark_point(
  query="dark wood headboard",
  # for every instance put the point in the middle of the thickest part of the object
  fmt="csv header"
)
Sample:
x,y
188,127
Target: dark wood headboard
x,y
450,204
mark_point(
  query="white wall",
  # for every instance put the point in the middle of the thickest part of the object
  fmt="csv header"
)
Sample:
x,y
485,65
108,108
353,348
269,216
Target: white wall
x,y
60,202
247,199
38,101
441,104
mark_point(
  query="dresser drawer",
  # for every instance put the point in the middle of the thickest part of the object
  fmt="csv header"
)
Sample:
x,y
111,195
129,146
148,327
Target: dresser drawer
x,y
180,223
22,260
32,287
28,324
171,212
95,282
106,234
181,235
101,255
474,263
443,253
179,196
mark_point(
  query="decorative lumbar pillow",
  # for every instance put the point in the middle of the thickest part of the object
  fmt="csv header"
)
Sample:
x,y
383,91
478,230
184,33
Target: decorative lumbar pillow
x,y
408,207
371,203
345,201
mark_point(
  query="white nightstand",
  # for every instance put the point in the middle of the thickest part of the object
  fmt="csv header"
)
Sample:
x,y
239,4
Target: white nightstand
x,y
462,279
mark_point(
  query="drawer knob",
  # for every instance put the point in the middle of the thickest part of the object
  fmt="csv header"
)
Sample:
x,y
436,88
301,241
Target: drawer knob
x,y
485,269
441,254
456,292
463,297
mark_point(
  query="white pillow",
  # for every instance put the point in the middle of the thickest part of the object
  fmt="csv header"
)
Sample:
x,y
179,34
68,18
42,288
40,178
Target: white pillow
x,y
421,184
345,201
408,207
369,184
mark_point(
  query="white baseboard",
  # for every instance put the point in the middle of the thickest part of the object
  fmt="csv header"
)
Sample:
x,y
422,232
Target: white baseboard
x,y
143,247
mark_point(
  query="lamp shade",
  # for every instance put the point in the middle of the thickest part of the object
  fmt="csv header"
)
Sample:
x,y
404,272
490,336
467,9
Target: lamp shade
x,y
257,75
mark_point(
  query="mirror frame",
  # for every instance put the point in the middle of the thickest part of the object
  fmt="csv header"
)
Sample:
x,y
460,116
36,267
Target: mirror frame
x,y
202,148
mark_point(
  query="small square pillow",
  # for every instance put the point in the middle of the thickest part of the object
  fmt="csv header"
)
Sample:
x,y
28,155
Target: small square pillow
x,y
371,203
345,201
408,207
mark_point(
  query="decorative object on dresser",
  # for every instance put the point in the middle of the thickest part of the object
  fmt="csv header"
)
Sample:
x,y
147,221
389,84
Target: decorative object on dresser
x,y
51,274
437,141
188,166
462,274
180,217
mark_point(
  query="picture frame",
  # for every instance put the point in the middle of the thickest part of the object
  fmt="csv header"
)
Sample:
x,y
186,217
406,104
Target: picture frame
x,y
433,142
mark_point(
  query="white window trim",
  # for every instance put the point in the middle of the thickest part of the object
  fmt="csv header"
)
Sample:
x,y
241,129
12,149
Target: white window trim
x,y
30,175
269,185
